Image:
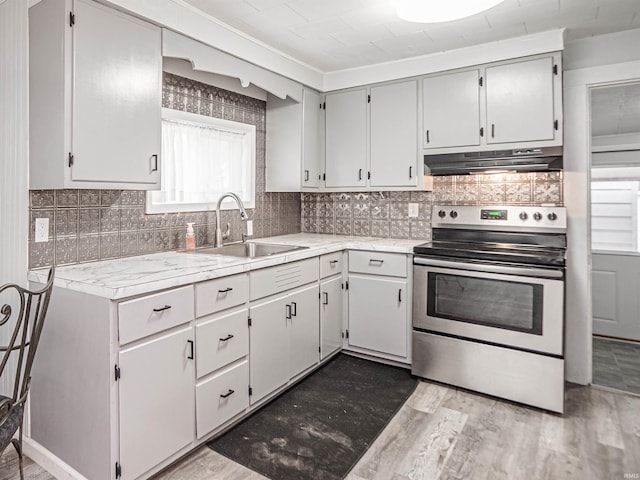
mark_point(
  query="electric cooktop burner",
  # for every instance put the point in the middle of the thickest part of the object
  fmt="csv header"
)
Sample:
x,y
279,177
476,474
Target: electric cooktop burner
x,y
505,234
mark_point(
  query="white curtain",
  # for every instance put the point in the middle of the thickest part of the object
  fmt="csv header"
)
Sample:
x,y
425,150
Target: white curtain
x,y
200,162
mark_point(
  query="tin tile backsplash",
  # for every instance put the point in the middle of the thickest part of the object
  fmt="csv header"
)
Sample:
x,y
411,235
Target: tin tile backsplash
x,y
385,214
90,225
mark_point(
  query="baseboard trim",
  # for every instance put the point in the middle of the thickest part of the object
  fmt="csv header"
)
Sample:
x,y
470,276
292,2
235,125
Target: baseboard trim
x,y
49,461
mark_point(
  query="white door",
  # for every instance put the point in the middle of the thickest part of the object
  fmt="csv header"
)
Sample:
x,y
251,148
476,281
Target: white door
x,y
304,330
378,314
331,315
156,400
311,136
520,101
117,96
268,347
451,110
616,303
346,139
394,125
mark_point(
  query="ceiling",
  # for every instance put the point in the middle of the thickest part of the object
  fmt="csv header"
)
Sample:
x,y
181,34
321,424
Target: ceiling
x,y
615,110
332,35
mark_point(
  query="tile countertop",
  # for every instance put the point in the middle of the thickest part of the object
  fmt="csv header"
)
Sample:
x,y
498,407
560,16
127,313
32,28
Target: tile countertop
x,y
126,277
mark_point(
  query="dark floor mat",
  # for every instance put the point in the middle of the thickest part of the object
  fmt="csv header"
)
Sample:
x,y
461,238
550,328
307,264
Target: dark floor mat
x,y
321,427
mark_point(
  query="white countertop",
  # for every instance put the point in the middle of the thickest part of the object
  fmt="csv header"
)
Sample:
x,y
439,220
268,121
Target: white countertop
x,y
126,277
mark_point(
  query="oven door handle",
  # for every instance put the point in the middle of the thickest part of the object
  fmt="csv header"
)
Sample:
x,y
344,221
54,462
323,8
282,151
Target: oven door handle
x,y
505,269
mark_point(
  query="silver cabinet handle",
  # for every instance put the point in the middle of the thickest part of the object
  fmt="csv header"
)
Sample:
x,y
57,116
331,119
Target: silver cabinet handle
x,y
294,309
162,309
375,260
287,311
326,298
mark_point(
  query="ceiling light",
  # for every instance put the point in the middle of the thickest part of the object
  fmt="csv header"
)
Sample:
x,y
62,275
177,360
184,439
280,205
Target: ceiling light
x,y
434,11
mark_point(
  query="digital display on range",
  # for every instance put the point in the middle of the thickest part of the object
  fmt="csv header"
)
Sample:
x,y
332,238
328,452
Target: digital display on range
x,y
493,214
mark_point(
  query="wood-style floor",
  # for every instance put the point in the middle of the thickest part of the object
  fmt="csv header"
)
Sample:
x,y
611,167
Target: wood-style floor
x,y
444,433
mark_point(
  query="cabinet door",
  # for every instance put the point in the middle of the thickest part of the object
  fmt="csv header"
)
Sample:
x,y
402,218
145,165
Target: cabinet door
x,y
311,136
157,403
331,316
346,139
378,314
394,124
304,330
451,110
117,96
520,101
268,347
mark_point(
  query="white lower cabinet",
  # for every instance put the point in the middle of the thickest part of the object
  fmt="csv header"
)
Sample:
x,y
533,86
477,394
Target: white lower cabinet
x,y
284,339
331,315
380,304
156,401
378,314
221,397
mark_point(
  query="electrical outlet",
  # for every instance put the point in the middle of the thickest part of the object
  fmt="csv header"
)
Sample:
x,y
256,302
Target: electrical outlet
x,y
413,210
42,230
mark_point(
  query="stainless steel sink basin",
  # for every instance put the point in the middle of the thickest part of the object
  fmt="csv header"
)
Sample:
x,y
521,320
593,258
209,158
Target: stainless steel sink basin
x,y
250,249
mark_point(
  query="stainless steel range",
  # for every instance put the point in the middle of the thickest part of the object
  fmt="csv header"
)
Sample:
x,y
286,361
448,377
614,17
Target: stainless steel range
x,y
488,302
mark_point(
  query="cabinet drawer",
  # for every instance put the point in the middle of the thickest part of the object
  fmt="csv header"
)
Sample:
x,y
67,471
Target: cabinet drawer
x,y
272,280
151,314
331,264
221,293
220,341
221,397
377,263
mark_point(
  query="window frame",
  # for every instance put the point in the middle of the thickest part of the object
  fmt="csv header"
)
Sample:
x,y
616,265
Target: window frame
x,y
249,137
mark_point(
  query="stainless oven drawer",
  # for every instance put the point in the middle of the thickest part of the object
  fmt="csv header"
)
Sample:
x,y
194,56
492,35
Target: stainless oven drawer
x,y
523,377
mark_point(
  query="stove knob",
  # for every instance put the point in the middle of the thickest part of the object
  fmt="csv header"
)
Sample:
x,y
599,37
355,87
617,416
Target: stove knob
x,y
442,214
523,215
453,214
537,216
552,216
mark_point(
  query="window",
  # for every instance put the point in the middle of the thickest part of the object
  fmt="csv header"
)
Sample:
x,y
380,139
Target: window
x,y
202,158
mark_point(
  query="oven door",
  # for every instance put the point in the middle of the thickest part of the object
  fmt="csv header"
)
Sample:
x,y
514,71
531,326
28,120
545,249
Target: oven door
x,y
518,307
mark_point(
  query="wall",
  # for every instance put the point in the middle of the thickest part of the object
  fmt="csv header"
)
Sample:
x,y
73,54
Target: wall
x,y
90,225
13,152
384,214
597,55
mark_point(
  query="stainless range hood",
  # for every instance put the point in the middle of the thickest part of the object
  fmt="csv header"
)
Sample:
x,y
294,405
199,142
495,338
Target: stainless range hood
x,y
495,161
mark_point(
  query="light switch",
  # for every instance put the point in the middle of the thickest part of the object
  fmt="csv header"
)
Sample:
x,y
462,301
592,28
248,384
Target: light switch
x,y
42,230
413,210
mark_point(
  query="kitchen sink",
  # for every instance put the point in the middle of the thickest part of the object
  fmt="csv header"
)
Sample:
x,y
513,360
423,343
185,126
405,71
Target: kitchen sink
x,y
250,249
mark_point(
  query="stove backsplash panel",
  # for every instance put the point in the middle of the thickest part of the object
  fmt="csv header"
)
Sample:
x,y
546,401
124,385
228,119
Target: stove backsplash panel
x,y
385,214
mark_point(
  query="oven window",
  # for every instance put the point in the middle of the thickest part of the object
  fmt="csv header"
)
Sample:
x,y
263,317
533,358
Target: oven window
x,y
496,303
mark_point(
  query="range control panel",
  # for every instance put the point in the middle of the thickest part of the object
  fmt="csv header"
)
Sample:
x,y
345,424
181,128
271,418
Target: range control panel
x,y
500,217
493,214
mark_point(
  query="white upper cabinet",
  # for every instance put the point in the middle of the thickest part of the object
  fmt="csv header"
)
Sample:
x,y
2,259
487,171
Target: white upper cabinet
x,y
96,97
520,106
346,139
294,143
511,104
394,122
451,110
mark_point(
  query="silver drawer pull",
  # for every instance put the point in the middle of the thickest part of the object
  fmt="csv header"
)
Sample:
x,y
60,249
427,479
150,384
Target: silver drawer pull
x,y
374,260
166,307
228,394
226,290
226,339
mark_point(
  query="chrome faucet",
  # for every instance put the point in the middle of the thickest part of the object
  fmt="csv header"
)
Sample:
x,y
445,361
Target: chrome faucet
x,y
243,215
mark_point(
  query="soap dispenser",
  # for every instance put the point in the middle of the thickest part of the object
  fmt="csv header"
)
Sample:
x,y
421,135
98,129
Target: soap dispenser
x,y
191,238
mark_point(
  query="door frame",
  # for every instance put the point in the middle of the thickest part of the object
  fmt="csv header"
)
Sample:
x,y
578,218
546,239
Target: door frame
x,y
577,176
